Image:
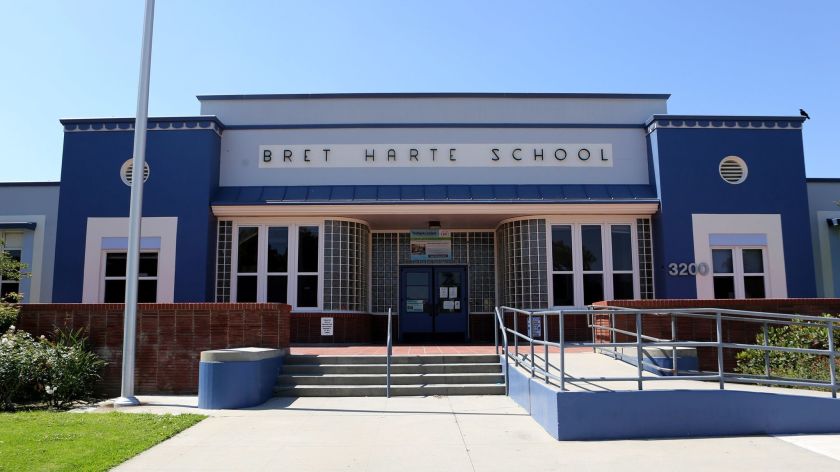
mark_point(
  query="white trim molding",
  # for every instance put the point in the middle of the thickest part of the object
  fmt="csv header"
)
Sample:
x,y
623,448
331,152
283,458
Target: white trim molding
x,y
822,255
37,269
740,226
98,229
522,209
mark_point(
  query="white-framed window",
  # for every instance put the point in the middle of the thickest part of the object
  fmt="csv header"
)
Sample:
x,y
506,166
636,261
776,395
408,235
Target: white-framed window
x,y
739,272
11,244
114,264
592,261
279,263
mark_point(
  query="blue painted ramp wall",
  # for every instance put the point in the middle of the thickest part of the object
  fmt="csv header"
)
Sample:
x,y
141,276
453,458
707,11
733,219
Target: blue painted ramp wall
x,y
671,413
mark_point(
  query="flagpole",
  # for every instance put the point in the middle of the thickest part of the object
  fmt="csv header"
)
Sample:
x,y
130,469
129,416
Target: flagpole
x,y
127,397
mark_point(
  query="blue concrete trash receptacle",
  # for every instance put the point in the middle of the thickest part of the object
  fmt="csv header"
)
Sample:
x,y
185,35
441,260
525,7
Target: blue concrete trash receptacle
x,y
237,378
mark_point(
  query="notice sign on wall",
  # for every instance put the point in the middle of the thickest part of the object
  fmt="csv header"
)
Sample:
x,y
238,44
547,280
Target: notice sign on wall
x,y
326,326
431,245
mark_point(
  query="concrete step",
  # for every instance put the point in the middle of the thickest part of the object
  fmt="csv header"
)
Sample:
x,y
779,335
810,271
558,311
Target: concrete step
x,y
325,369
308,359
396,390
399,379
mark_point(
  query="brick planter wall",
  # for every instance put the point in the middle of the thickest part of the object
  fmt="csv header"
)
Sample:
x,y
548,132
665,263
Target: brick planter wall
x,y
170,337
689,329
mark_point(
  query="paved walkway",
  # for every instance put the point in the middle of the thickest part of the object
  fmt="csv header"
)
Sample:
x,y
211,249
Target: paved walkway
x,y
440,434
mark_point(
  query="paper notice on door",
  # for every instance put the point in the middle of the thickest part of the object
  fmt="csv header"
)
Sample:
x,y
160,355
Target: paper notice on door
x,y
453,292
448,305
414,306
457,304
444,292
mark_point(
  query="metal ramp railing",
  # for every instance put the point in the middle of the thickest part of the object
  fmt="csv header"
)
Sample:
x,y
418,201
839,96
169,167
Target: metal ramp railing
x,y
543,368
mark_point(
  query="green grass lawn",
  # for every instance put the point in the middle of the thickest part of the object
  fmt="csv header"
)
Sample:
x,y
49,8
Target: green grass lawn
x,y
44,440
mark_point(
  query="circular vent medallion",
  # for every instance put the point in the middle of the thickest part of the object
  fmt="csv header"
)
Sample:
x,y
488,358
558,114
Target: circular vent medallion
x,y
733,169
127,172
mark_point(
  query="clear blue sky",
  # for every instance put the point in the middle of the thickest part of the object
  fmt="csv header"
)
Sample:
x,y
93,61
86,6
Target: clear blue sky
x,y
80,59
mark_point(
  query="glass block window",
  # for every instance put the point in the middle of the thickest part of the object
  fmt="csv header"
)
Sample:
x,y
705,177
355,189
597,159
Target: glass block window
x,y
345,265
644,237
223,254
522,263
475,249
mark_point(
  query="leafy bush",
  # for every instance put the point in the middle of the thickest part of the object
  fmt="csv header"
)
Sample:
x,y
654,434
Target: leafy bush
x,y
788,364
8,315
72,370
57,373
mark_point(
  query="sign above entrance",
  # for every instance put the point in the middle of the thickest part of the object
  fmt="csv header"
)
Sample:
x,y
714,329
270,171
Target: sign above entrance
x,y
431,245
434,155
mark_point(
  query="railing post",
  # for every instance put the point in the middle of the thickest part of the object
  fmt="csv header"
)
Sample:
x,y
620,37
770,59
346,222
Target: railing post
x,y
516,338
531,340
612,335
496,332
674,367
766,353
832,358
590,318
545,346
639,349
719,326
562,343
388,359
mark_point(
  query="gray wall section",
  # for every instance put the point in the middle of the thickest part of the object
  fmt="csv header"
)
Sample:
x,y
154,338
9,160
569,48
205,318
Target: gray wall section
x,y
35,199
240,157
434,110
822,196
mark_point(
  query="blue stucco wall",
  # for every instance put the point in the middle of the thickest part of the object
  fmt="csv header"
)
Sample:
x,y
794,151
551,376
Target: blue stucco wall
x,y
184,167
685,164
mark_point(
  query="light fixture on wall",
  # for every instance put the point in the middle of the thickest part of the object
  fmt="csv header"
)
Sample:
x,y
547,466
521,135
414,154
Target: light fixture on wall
x,y
834,222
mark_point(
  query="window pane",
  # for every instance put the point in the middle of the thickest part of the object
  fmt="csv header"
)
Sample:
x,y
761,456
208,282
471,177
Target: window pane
x,y
114,291
724,287
278,250
754,286
246,288
308,249
722,261
561,247
148,264
115,265
591,242
622,247
147,291
307,291
14,254
248,238
277,289
8,287
753,261
623,286
593,288
564,290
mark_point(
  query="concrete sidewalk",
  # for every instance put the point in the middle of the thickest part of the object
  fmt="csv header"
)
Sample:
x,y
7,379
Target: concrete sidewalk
x,y
488,433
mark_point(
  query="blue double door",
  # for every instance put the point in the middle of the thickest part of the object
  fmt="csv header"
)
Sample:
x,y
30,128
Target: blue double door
x,y
433,303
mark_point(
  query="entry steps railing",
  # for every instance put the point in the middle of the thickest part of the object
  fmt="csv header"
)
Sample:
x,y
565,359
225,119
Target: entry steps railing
x,y
543,368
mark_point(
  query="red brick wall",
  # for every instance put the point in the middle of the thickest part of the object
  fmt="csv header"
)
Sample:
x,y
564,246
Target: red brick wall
x,y
170,337
689,329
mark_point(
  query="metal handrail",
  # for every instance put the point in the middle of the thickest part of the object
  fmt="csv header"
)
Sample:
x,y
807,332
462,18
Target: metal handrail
x,y
501,322
641,341
389,346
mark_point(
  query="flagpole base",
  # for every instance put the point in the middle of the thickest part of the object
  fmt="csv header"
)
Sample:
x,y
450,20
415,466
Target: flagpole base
x,y
127,401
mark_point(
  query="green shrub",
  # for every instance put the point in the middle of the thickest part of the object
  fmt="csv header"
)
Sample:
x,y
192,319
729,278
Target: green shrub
x,y
788,364
72,370
58,373
8,315
22,364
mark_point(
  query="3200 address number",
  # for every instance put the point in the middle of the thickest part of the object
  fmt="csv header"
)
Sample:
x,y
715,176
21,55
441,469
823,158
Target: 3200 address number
x,y
684,268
